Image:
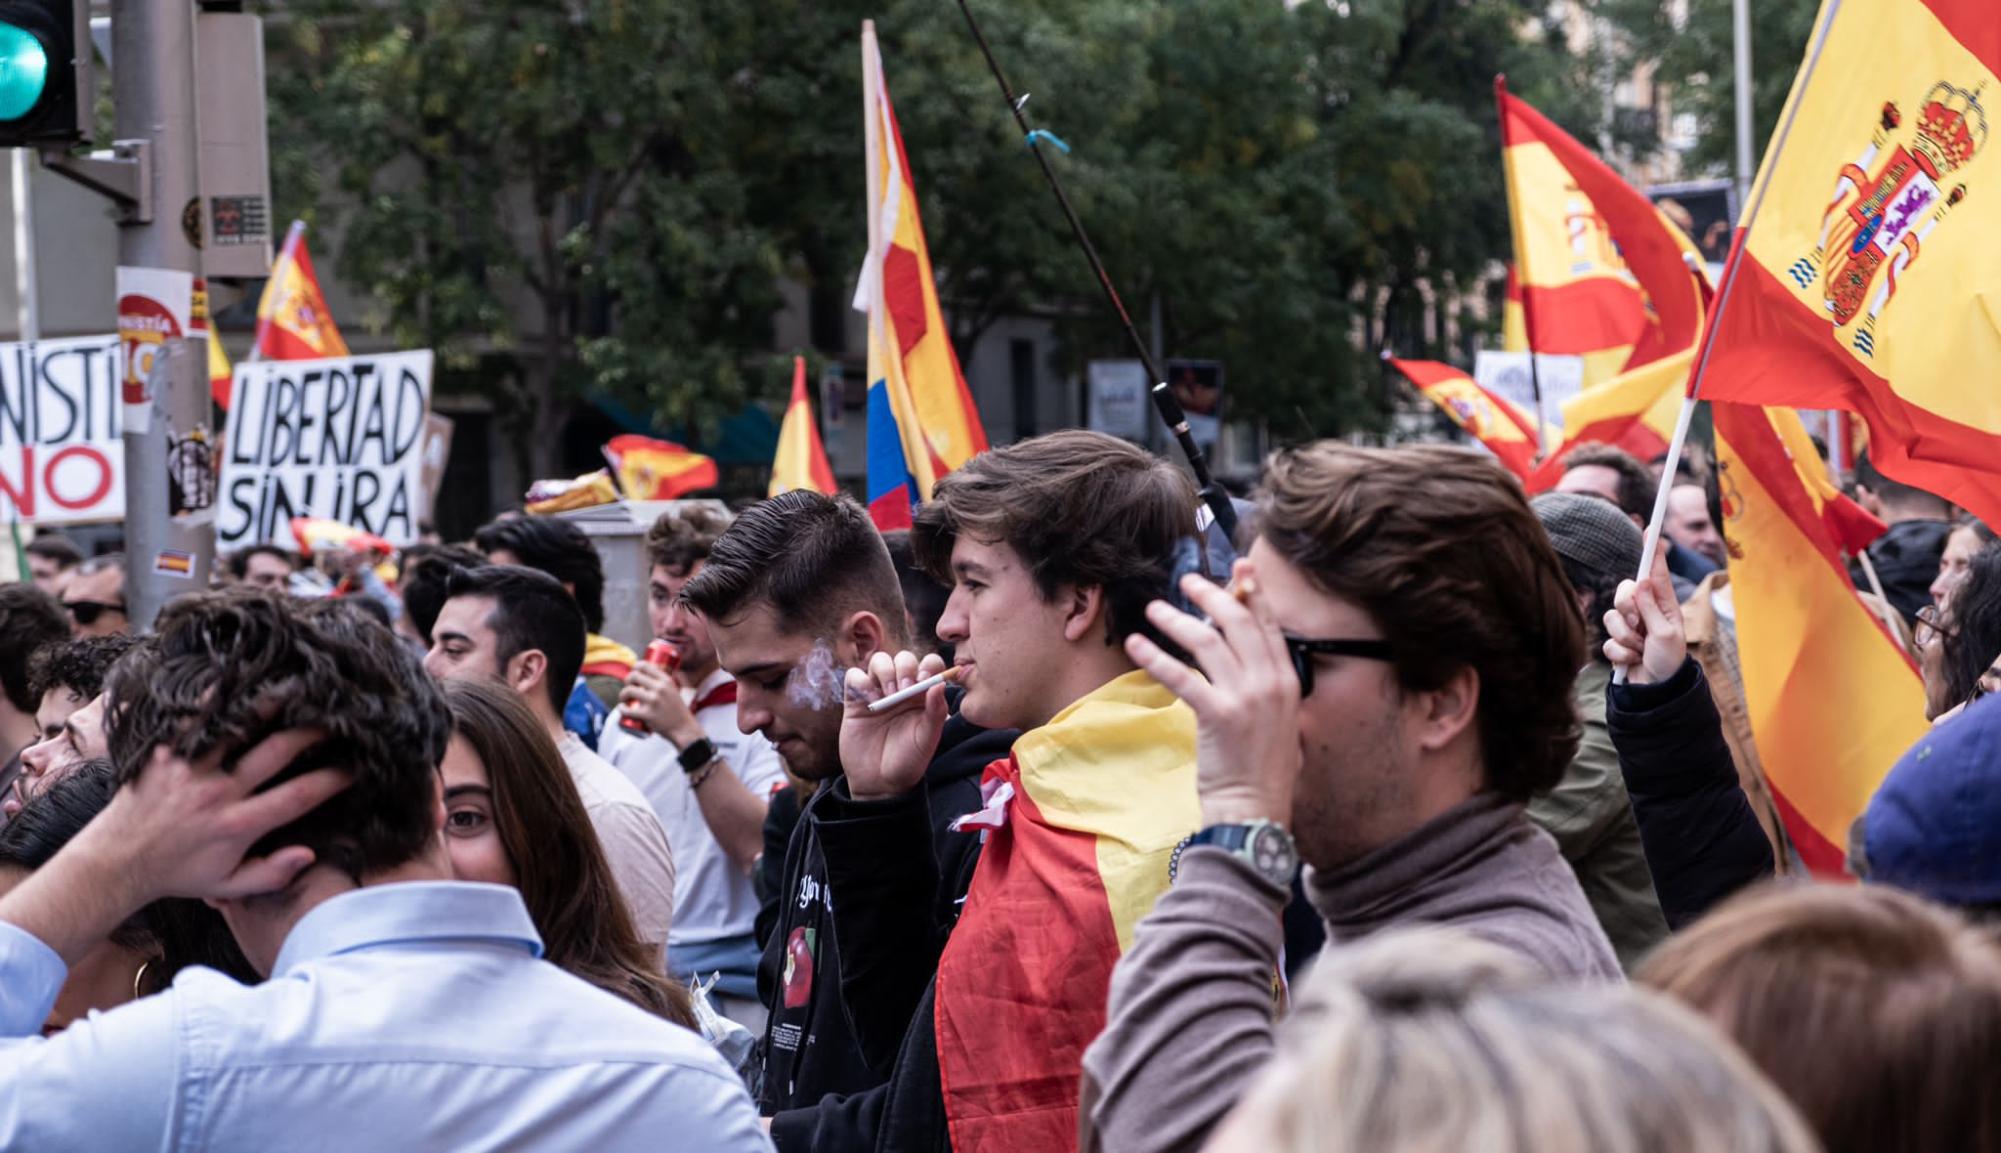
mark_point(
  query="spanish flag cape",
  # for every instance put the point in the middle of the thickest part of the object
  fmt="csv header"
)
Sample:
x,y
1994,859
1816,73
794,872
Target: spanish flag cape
x,y
1098,798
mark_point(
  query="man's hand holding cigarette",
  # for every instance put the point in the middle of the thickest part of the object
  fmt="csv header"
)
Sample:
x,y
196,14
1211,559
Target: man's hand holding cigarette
x,y
885,751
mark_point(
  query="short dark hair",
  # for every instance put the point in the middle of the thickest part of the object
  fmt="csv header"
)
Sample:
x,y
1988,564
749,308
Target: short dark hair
x,y
531,610
1636,484
1081,508
1868,476
78,665
29,620
239,561
1440,548
55,547
680,537
556,547
812,558
923,597
426,568
228,668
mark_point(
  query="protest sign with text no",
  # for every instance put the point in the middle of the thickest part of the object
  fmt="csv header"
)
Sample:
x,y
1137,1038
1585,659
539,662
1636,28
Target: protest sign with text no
x,y
341,439
61,460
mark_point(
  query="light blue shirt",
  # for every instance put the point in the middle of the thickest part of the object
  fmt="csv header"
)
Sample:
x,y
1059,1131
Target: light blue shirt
x,y
409,1016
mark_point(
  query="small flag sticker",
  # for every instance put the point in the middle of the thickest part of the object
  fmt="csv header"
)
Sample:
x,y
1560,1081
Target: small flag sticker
x,y
173,562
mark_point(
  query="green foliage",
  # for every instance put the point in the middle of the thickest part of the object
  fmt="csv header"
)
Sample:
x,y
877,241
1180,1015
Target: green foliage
x,y
1298,184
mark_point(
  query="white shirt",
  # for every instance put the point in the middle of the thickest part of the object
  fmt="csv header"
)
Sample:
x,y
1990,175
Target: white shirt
x,y
410,1016
635,845
713,896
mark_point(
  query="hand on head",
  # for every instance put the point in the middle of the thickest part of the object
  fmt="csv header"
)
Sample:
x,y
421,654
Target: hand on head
x,y
1246,697
1643,629
885,754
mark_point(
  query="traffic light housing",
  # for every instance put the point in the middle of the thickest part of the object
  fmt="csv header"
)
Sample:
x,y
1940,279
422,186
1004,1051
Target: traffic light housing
x,y
45,84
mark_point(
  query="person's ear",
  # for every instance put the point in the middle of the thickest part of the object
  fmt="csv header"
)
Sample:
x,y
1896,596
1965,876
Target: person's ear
x,y
862,635
1449,709
526,671
1084,608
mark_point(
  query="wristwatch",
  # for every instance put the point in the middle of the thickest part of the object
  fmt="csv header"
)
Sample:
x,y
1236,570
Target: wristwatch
x,y
698,753
1265,845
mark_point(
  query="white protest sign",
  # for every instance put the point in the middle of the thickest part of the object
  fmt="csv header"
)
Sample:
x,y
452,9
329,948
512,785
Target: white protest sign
x,y
1118,398
61,460
1506,374
341,438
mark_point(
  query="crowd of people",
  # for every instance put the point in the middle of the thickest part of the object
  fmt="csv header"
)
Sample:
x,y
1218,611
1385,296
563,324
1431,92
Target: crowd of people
x,y
1422,825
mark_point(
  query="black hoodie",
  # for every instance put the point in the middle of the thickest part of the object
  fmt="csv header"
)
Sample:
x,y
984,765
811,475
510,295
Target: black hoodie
x,y
834,1028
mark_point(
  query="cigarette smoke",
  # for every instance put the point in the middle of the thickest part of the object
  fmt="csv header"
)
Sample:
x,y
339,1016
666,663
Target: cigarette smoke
x,y
816,681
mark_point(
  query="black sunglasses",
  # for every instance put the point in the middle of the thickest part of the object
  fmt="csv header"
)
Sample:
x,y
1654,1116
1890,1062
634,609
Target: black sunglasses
x,y
87,612
1303,651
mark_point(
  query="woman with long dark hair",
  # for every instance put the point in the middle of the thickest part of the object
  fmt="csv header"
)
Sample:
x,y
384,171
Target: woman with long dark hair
x,y
513,817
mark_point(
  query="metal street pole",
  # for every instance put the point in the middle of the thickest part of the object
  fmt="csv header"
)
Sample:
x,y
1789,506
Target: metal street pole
x,y
25,287
153,88
1740,16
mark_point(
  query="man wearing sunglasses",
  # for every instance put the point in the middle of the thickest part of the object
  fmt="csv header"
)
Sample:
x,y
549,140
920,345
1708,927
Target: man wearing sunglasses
x,y
1387,684
95,598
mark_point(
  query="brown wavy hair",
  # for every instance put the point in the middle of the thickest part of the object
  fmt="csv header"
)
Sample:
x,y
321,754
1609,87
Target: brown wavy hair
x,y
558,864
1439,547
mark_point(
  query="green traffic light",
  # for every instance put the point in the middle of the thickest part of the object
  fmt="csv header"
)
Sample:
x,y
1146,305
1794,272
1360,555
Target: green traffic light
x,y
24,71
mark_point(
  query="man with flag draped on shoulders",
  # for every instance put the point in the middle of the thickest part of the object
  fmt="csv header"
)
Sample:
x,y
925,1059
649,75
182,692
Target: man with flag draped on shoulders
x,y
1052,548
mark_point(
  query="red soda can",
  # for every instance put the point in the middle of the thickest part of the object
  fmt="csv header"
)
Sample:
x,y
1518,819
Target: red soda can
x,y
660,654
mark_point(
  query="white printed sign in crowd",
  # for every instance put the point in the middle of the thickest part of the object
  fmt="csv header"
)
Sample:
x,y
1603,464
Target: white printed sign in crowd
x,y
61,460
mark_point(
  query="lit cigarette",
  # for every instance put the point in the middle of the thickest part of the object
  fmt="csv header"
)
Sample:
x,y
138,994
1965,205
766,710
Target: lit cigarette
x,y
918,689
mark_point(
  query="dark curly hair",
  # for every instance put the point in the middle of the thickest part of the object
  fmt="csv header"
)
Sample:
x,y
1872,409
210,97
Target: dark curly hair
x,y
29,619
1081,508
79,665
558,548
1439,547
680,537
1636,484
1972,638
228,669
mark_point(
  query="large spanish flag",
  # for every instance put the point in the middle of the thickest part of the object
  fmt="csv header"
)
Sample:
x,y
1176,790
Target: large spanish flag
x,y
921,419
292,318
649,469
800,462
1833,701
1095,802
1598,270
1496,422
1869,269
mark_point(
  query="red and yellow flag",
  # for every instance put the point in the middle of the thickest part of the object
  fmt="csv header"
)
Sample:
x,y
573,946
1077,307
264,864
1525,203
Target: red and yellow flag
x,y
649,469
801,462
1833,701
221,377
921,419
1599,270
1867,275
1094,803
292,318
1496,422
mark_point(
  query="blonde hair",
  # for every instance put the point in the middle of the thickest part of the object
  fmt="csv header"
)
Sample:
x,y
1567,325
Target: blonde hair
x,y
1878,1014
1431,1040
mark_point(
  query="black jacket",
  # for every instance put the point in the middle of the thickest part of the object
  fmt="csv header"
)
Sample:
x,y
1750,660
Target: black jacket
x,y
854,946
1906,560
1701,838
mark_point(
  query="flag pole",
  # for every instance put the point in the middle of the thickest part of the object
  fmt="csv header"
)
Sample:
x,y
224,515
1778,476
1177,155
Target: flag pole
x,y
1521,270
1723,294
1211,493
1882,606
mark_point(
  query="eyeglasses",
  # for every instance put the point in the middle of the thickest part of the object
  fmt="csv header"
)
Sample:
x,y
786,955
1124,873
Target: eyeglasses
x,y
1303,651
1931,623
87,612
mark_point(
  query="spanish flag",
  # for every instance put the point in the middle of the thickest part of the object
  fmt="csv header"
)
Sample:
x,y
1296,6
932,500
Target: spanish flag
x,y
1869,266
801,462
1832,700
1506,431
921,419
221,377
1093,804
1635,410
292,318
1599,270
649,469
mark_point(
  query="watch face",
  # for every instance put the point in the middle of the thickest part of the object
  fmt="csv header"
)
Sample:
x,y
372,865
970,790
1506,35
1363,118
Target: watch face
x,y
1272,852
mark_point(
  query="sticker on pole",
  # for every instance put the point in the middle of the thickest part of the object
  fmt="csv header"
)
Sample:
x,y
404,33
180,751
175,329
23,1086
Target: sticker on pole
x,y
61,460
155,306
340,439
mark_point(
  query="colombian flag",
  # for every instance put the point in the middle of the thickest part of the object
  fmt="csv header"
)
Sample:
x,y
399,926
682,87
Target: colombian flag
x,y
292,318
1833,701
1598,270
1507,431
921,419
651,469
1095,802
1870,263
801,462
